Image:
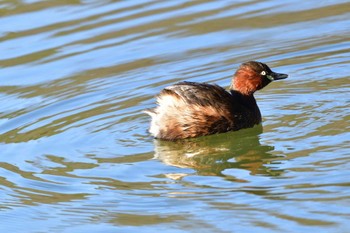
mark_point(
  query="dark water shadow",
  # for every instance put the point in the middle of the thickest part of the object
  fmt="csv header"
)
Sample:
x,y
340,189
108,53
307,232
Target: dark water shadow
x,y
213,154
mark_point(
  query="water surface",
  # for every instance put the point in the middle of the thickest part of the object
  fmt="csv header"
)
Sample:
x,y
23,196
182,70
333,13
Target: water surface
x,y
75,152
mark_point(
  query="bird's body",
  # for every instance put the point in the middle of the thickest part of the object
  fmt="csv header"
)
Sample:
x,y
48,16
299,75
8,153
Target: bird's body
x,y
190,109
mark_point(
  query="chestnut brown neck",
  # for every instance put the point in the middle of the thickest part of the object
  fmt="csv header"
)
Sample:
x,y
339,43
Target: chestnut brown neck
x,y
246,82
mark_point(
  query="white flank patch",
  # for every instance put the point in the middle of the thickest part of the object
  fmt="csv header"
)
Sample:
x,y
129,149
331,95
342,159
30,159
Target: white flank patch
x,y
154,128
167,105
166,101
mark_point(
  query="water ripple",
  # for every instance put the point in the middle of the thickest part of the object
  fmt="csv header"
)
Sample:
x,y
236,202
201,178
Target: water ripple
x,y
75,152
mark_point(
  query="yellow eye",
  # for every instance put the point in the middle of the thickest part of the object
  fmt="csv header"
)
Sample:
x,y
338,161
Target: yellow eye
x,y
263,72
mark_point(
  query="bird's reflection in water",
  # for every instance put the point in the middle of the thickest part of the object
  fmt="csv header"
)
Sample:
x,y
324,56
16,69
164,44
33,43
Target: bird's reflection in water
x,y
213,154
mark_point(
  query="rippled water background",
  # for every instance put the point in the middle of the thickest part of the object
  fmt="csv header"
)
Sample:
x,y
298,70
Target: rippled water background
x,y
75,155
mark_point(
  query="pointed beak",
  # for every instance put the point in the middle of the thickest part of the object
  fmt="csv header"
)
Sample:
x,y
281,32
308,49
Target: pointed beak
x,y
277,76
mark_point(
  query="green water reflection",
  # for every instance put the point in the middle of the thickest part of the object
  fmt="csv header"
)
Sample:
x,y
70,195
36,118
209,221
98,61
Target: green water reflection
x,y
213,154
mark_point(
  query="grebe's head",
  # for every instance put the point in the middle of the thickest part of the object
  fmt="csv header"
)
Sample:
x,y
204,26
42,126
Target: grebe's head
x,y
252,76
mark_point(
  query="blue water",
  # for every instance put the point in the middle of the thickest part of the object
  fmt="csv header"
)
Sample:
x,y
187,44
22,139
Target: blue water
x,y
75,152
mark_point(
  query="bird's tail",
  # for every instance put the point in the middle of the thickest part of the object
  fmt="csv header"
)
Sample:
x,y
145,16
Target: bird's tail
x,y
150,111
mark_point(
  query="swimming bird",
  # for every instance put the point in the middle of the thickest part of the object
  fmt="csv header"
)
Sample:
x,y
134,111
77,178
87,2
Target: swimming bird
x,y
192,109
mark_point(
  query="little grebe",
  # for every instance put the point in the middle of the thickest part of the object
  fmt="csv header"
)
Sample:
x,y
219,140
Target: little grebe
x,y
190,109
